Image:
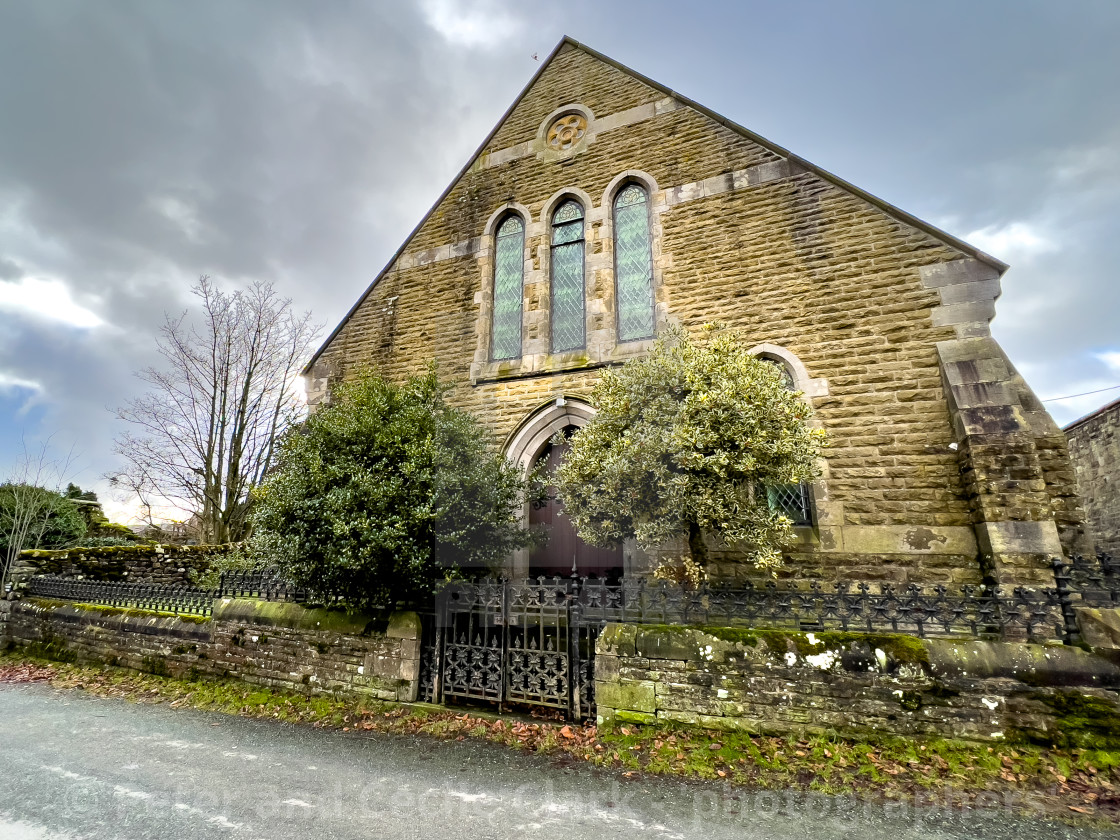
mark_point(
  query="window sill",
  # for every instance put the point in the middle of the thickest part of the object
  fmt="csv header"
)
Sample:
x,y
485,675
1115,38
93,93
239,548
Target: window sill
x,y
548,364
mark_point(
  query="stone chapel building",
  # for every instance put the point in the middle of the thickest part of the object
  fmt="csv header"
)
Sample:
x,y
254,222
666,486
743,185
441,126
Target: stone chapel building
x,y
604,205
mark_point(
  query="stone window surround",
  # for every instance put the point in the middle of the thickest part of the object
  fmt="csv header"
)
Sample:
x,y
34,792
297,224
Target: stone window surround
x,y
538,146
801,380
547,153
494,281
602,344
823,511
618,189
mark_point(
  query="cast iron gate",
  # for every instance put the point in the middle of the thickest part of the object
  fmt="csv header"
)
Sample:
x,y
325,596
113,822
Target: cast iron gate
x,y
509,642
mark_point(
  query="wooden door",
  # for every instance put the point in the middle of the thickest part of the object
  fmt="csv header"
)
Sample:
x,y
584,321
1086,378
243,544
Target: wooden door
x,y
564,547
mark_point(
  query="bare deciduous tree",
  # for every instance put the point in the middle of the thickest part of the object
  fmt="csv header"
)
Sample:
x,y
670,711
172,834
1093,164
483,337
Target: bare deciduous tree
x,y
31,502
204,434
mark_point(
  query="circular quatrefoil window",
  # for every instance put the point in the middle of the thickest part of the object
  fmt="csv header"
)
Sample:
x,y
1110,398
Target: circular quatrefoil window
x,y
566,131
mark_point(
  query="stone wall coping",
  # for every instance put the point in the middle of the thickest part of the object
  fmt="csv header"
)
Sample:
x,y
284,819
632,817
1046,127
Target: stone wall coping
x,y
1055,665
137,621
295,616
404,625
1035,664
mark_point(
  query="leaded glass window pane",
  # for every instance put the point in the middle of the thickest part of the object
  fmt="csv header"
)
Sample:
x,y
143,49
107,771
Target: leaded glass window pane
x,y
569,211
509,268
567,278
633,264
792,500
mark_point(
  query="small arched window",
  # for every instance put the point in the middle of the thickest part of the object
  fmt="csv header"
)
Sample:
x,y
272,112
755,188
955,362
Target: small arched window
x,y
567,294
783,369
509,273
790,499
633,263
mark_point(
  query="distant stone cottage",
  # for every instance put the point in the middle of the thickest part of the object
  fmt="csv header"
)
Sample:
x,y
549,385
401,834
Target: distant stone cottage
x,y
604,205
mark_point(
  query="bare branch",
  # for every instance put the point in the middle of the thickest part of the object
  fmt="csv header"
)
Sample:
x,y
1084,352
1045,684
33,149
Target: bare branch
x,y
33,495
205,432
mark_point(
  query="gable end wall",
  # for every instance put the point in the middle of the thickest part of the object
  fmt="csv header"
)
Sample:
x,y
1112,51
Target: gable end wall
x,y
740,235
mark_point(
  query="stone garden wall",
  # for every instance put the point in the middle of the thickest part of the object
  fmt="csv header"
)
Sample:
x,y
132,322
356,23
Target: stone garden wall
x,y
774,681
165,564
276,644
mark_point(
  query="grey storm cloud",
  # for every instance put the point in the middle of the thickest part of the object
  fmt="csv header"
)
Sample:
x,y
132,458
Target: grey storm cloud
x,y
145,143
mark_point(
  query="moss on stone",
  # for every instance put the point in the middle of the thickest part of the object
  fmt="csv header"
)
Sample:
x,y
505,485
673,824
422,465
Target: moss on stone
x,y
1082,720
902,648
102,609
295,616
50,647
156,666
910,700
624,716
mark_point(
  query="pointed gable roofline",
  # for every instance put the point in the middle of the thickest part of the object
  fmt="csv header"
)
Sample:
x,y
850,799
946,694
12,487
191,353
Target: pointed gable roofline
x,y
888,208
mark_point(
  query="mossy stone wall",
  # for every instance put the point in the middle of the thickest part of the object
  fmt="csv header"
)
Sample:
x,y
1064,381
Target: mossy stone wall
x,y
164,564
853,683
258,642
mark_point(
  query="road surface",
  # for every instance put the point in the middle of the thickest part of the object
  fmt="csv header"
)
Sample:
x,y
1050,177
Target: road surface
x,y
76,766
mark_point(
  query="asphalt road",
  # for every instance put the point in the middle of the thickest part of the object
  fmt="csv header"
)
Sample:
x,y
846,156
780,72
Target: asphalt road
x,y
74,766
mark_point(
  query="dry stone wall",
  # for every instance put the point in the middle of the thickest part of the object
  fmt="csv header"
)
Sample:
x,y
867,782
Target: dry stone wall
x,y
274,644
170,565
772,681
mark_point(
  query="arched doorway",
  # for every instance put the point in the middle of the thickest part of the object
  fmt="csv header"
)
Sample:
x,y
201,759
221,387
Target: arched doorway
x,y
565,552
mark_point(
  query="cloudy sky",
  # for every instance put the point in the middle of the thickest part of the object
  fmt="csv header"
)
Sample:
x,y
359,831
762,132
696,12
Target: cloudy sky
x,y
145,143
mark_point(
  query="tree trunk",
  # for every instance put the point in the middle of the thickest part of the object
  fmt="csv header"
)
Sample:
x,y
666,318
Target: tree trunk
x,y
696,545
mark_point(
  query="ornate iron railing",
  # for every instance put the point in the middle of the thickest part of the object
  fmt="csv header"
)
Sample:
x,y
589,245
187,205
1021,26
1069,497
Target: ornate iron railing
x,y
185,600
181,600
266,584
812,605
1095,579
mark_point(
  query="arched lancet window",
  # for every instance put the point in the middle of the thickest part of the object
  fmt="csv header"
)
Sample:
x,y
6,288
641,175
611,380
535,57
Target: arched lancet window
x,y
567,295
509,271
633,264
790,499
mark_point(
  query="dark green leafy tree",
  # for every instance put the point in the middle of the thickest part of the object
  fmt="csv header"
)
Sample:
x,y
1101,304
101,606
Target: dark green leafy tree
x,y
35,517
684,444
31,514
386,491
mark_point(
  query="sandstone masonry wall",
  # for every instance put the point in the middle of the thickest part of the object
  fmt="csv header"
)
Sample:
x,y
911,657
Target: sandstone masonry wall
x,y
1094,447
792,682
277,645
743,235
